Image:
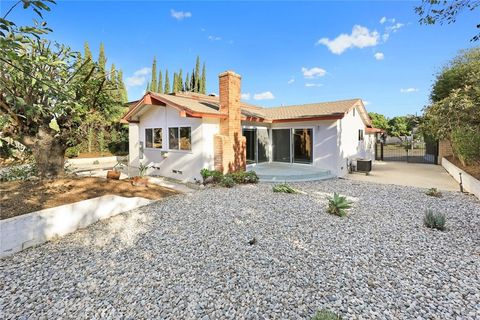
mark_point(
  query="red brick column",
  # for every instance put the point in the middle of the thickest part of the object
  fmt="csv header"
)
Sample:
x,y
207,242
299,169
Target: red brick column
x,y
230,144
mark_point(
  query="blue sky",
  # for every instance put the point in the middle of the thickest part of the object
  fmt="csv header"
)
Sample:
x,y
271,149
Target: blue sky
x,y
287,52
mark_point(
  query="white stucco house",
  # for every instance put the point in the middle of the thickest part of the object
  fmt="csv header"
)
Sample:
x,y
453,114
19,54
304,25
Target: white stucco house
x,y
178,134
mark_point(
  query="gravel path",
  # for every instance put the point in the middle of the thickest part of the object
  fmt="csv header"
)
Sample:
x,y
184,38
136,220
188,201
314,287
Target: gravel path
x,y
188,257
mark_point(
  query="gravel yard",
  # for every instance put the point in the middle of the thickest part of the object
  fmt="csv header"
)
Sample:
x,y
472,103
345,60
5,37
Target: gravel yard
x,y
188,257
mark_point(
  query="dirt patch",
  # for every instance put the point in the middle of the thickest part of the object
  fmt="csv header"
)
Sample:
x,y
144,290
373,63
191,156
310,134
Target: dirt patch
x,y
21,197
471,170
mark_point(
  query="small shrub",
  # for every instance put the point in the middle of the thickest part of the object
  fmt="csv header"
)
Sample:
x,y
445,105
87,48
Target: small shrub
x,y
434,220
326,315
216,175
338,205
72,152
23,172
242,177
227,181
205,173
434,192
285,188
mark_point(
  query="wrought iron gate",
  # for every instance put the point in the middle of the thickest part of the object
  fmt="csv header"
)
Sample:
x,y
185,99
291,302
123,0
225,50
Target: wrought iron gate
x,y
395,149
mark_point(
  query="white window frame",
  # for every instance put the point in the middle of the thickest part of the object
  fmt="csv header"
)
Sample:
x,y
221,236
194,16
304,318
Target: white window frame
x,y
153,137
178,130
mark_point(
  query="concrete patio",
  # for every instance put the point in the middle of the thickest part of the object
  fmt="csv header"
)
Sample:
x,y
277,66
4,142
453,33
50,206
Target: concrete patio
x,y
281,172
408,174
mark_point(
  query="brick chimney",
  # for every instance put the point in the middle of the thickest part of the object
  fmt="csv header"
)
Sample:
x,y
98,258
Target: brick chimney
x,y
230,152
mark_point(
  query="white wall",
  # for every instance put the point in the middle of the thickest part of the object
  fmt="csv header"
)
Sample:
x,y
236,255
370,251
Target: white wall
x,y
189,163
133,147
350,146
31,229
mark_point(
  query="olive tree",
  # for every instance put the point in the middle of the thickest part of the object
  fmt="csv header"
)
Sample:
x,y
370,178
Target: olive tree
x,y
47,92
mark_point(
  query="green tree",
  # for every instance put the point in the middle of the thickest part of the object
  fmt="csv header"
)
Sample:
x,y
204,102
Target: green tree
x,y
160,82
398,127
197,75
192,81
153,83
167,83
50,102
180,87
455,97
203,81
87,54
379,121
445,12
175,82
102,60
123,88
187,83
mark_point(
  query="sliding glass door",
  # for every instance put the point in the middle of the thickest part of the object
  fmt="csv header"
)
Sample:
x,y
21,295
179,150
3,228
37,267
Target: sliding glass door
x,y
250,136
257,144
302,145
263,141
281,143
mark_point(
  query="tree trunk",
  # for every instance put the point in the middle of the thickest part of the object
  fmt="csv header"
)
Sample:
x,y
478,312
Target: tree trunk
x,y
49,155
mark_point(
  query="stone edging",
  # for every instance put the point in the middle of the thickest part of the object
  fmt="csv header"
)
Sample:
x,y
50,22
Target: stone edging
x,y
469,183
21,232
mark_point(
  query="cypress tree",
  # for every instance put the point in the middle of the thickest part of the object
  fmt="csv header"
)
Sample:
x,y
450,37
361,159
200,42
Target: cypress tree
x,y
123,88
160,82
87,54
102,60
175,82
153,83
167,83
180,81
192,81
203,82
197,75
112,76
187,83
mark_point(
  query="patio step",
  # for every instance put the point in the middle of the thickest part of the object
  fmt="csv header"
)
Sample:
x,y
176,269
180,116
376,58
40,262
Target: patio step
x,y
289,172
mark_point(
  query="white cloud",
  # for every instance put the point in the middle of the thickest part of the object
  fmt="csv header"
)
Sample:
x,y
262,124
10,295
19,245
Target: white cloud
x,y
245,96
314,72
383,20
214,38
180,15
408,90
385,37
292,80
313,85
366,103
139,77
360,37
267,95
379,56
394,27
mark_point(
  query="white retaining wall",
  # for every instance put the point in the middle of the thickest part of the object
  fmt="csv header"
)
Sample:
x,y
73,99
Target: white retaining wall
x,y
470,184
34,228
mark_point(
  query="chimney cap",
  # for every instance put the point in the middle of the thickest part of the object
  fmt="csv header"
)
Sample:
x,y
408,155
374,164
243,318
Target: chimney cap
x,y
229,73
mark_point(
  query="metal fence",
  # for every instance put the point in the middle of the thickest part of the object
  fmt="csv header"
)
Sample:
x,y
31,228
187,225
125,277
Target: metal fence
x,y
414,152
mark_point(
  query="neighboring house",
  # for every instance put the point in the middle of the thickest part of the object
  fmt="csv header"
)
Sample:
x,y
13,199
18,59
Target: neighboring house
x,y
179,134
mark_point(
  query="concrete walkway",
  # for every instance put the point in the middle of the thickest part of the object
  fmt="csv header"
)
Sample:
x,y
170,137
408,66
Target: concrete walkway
x,y
408,174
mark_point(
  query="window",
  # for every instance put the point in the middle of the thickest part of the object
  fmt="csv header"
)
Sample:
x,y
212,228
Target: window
x,y
360,135
180,138
354,112
153,138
